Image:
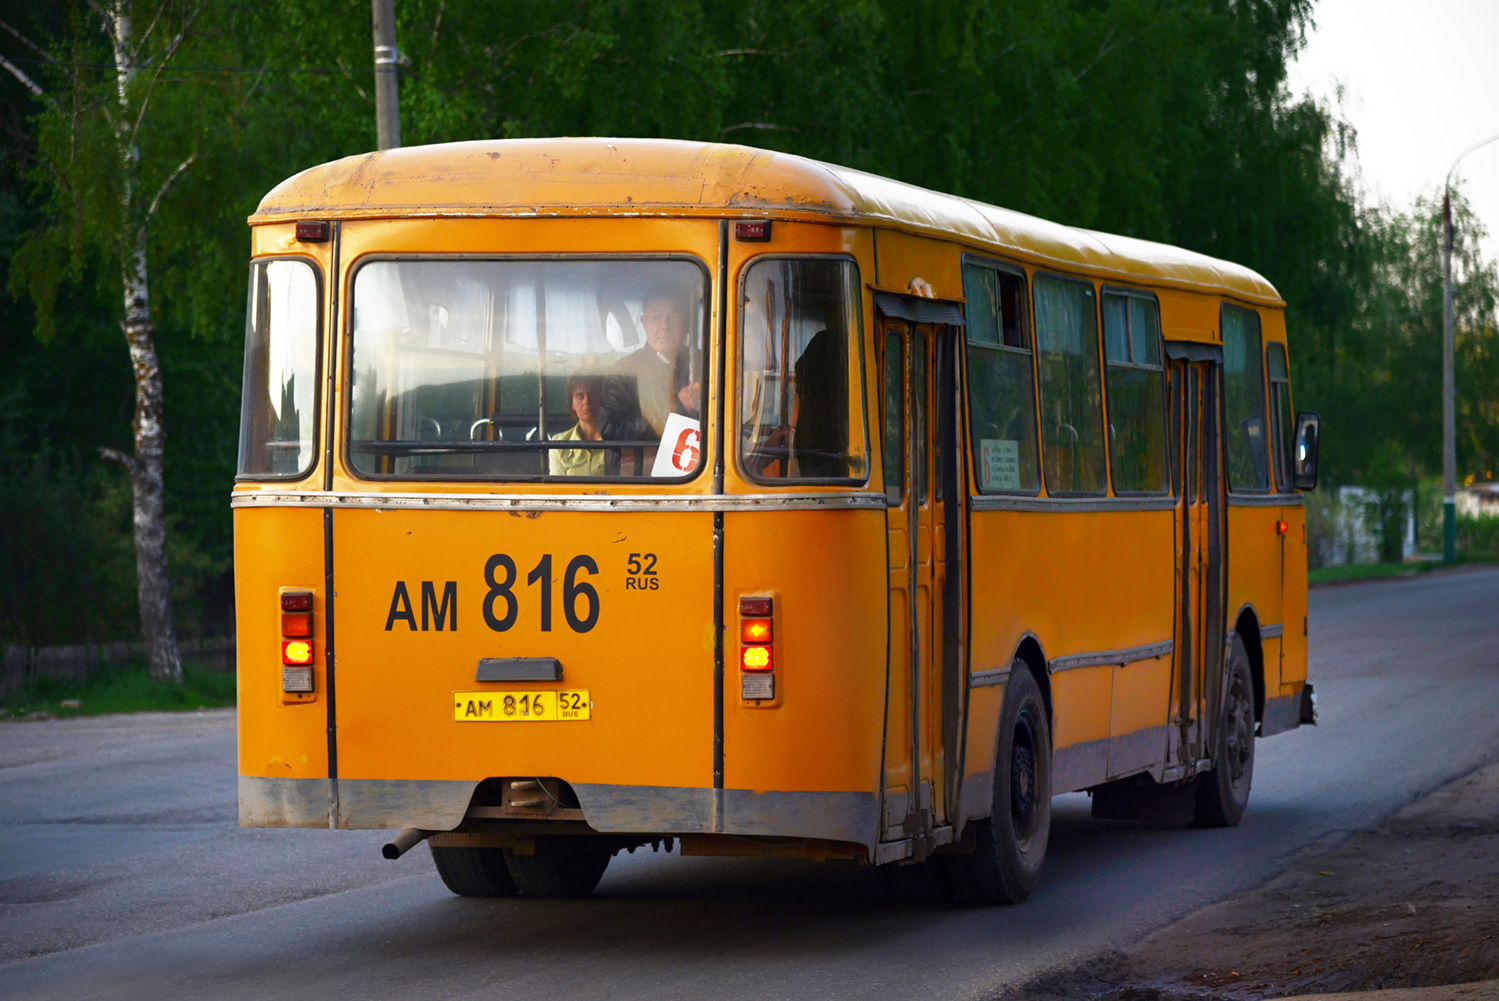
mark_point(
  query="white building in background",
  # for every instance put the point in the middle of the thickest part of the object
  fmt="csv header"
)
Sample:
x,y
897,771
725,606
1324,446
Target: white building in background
x,y
1480,500
1355,534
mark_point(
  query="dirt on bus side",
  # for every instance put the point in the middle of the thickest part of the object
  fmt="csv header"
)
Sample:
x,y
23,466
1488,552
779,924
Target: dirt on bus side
x,y
1409,909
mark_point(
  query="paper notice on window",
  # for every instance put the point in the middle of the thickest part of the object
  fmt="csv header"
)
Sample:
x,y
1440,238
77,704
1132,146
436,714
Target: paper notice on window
x,y
681,447
999,464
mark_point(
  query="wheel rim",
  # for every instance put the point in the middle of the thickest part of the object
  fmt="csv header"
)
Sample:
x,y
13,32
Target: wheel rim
x,y
1023,781
1238,727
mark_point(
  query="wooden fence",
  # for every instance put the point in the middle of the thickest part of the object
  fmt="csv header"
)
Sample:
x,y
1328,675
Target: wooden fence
x,y
23,664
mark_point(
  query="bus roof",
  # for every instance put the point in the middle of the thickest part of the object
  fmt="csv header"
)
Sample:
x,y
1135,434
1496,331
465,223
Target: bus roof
x,y
660,177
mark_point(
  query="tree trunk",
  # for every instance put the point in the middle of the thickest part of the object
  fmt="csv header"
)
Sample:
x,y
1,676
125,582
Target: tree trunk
x,y
153,585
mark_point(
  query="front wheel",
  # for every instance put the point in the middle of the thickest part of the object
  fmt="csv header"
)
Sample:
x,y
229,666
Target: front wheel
x,y
1010,844
1223,793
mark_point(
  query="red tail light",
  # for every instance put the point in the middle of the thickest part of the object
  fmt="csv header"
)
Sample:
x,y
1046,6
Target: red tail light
x,y
296,601
757,667
296,652
755,658
298,647
754,630
756,605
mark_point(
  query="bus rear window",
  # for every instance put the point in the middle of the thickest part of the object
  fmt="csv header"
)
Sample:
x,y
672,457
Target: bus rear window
x,y
527,370
278,421
801,400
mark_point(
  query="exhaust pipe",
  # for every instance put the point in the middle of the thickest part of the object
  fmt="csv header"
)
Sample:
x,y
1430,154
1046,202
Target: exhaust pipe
x,y
404,842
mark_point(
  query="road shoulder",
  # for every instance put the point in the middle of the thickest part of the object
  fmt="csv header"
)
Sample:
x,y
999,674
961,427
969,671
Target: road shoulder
x,y
1413,904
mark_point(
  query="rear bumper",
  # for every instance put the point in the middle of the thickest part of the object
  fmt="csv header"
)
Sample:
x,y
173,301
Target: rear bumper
x,y
380,804
1289,711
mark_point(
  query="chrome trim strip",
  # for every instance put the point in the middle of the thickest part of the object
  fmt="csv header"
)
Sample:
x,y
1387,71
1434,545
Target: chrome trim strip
x,y
982,679
1272,631
1121,657
558,502
1056,505
1266,500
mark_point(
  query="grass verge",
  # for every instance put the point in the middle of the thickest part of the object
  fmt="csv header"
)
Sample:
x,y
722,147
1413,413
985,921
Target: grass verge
x,y
124,689
1364,571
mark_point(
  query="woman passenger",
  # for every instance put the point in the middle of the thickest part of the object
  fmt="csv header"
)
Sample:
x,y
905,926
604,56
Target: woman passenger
x,y
583,400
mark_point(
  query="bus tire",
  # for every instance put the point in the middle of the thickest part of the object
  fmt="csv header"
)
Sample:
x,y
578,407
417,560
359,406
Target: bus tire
x,y
474,872
558,874
1223,793
1010,844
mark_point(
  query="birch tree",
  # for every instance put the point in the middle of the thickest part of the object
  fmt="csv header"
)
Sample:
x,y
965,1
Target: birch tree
x,y
105,198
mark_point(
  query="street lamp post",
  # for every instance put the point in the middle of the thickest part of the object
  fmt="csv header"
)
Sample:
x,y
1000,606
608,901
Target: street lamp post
x,y
1449,381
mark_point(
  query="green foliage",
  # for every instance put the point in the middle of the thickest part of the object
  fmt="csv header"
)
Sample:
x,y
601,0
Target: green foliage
x,y
124,689
1161,119
1478,536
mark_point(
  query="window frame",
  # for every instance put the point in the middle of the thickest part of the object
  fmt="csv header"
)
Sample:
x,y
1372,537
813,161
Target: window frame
x,y
1098,353
317,387
346,368
860,302
1224,307
1160,333
1027,326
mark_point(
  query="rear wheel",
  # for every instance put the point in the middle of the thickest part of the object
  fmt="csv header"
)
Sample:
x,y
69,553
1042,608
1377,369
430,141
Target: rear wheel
x,y
1223,793
474,872
559,874
1010,844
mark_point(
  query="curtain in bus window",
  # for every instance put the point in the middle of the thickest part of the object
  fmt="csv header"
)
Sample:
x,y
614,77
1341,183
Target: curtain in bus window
x,y
1244,400
1280,415
1136,388
528,369
801,407
1071,390
279,406
1001,393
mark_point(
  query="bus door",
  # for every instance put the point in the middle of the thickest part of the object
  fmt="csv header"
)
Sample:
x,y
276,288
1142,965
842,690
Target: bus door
x,y
1197,483
921,459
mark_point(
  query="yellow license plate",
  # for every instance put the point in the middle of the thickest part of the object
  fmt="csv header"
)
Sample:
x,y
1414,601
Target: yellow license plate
x,y
521,706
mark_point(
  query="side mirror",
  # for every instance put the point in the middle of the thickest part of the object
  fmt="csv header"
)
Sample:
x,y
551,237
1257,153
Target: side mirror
x,y
1308,435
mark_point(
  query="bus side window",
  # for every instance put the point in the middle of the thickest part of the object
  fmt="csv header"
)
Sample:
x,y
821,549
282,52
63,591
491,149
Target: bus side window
x,y
1175,391
281,371
1283,425
1071,390
1243,377
919,412
801,415
1135,383
1194,426
894,418
1001,384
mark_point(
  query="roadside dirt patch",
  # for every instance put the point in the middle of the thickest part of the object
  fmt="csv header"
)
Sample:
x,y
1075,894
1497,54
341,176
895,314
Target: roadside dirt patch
x,y
1414,903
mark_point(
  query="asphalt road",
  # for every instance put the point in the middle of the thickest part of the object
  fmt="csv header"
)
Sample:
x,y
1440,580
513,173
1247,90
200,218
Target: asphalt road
x,y
122,873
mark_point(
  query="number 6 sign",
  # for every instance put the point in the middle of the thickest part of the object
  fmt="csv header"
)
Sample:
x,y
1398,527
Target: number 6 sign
x,y
681,447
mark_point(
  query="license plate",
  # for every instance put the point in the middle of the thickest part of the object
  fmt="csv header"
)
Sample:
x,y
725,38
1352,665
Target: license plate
x,y
521,706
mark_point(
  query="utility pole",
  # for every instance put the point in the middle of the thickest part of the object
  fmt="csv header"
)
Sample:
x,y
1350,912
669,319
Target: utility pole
x,y
1449,381
387,82
1449,392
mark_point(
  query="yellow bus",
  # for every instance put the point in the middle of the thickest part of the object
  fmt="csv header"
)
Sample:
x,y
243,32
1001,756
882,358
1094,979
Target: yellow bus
x,y
805,513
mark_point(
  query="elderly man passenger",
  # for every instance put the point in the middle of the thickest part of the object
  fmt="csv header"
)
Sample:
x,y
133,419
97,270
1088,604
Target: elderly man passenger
x,y
662,369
